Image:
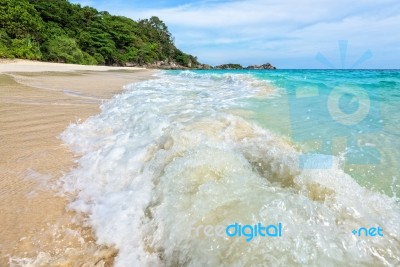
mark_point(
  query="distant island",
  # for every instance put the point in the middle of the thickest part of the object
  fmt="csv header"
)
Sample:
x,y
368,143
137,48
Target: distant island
x,y
59,31
266,66
199,66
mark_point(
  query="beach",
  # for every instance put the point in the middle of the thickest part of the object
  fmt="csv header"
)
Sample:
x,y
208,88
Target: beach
x,y
37,102
170,159
149,177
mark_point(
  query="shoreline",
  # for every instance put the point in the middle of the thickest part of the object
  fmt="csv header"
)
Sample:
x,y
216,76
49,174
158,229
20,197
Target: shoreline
x,y
38,101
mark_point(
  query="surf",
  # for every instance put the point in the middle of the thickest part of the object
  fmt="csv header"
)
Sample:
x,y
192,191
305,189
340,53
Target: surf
x,y
176,152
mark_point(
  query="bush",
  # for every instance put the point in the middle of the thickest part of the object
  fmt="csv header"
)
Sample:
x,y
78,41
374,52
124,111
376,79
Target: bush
x,y
64,49
88,59
69,33
25,48
5,52
99,58
5,43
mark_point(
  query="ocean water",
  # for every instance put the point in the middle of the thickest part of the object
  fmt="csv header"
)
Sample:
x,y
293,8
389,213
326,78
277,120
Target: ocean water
x,y
313,150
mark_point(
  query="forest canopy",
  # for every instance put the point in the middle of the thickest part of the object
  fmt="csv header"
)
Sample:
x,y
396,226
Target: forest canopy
x,y
60,31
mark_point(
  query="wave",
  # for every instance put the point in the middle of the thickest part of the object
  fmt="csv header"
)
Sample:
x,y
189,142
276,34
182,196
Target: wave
x,y
168,155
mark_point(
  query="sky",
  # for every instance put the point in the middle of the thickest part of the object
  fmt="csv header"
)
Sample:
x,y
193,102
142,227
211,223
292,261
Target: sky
x,y
286,33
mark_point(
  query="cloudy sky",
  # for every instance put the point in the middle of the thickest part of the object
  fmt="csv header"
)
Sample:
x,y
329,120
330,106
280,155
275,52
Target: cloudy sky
x,y
287,33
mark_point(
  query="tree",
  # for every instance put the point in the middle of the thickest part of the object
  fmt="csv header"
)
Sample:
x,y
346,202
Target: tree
x,y
59,31
64,49
20,19
5,43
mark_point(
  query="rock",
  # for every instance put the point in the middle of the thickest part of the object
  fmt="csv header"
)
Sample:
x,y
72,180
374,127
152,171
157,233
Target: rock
x,y
131,64
266,66
230,66
204,67
172,65
165,65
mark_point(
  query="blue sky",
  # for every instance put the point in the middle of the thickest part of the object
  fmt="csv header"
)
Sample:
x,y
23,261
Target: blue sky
x,y
287,33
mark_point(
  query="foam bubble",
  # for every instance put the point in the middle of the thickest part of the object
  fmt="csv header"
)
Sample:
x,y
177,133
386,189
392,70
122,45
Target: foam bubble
x,y
167,155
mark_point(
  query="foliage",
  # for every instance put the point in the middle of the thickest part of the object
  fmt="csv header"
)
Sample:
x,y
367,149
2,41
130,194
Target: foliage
x,y
25,48
63,49
63,32
19,19
230,66
5,43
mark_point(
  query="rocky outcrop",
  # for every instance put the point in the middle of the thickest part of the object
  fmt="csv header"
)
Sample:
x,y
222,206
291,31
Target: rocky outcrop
x,y
205,67
171,65
165,65
230,66
266,66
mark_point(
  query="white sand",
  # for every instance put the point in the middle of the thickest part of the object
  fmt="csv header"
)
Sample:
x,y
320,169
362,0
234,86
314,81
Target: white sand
x,y
18,65
37,102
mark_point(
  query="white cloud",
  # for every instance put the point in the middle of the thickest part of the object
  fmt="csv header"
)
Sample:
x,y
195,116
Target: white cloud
x,y
282,30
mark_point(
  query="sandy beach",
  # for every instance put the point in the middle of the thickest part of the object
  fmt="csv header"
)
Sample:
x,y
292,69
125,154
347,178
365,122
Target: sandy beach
x,y
37,102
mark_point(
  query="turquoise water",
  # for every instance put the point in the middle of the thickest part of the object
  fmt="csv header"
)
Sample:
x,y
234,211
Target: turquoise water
x,y
313,151
379,129
368,148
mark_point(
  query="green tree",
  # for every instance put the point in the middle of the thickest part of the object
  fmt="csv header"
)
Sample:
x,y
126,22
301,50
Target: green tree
x,y
57,30
5,44
25,48
64,49
19,19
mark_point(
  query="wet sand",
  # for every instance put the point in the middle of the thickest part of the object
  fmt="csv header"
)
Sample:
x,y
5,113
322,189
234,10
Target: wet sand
x,y
37,102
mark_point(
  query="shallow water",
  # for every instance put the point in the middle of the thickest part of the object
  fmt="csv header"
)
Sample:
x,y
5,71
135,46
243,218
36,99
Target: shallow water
x,y
213,148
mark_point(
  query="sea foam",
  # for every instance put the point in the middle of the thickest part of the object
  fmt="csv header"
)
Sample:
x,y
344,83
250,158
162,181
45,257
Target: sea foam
x,y
168,154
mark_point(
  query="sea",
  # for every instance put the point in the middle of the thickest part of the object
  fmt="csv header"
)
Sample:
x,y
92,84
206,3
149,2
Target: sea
x,y
204,168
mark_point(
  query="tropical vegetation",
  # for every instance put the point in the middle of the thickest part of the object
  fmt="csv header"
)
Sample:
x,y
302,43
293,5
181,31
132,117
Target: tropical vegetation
x,y
60,31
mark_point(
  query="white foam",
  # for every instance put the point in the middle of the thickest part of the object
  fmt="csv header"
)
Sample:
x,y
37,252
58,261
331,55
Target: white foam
x,y
166,155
